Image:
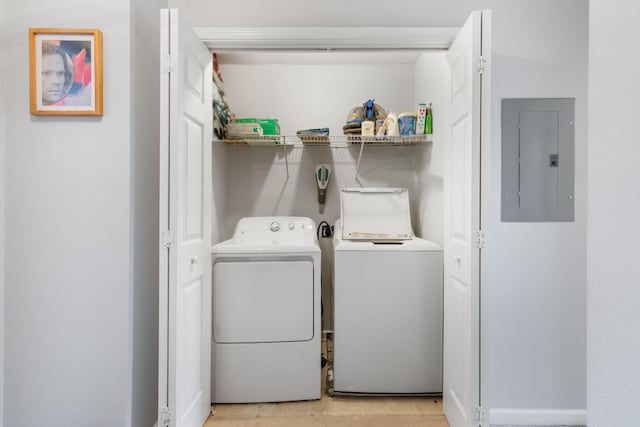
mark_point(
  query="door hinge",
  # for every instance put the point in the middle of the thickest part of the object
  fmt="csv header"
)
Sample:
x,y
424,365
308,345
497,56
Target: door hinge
x,y
165,417
481,64
167,239
479,414
480,239
168,64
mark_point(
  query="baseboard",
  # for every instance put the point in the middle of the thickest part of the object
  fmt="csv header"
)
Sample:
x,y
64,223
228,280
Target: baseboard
x,y
542,417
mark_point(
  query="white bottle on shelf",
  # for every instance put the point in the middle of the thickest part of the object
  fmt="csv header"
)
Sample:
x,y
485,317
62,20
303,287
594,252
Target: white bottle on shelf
x,y
392,124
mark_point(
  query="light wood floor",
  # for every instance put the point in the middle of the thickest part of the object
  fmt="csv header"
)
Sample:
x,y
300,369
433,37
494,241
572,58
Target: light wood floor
x,y
336,411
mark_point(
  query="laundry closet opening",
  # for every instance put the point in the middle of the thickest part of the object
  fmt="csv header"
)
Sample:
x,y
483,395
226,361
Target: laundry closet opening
x,y
289,221
319,89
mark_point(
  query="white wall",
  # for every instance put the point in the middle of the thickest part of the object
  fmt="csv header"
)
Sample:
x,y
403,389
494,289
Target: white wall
x,y
431,83
219,189
613,376
71,233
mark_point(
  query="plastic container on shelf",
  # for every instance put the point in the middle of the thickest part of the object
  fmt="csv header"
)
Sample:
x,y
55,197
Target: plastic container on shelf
x,y
244,129
407,123
269,126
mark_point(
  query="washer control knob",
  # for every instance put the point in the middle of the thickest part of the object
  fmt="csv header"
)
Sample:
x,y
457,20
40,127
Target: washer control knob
x,y
291,226
275,226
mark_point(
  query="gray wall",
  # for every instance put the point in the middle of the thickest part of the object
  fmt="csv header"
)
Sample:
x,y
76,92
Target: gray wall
x,y
538,270
68,215
614,208
144,149
80,259
67,261
2,203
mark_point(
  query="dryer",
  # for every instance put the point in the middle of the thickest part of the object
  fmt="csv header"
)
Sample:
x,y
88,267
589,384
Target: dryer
x,y
266,312
387,298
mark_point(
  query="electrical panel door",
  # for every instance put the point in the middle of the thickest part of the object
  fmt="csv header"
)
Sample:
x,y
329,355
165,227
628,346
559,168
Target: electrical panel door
x,y
537,160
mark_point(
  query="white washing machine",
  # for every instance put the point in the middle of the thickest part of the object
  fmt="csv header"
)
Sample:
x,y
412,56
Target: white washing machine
x,y
387,298
266,312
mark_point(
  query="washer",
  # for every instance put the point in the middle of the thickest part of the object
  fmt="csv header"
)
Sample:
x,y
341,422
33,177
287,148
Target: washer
x,y
387,298
266,312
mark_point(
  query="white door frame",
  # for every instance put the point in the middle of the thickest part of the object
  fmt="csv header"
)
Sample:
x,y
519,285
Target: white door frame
x,y
485,212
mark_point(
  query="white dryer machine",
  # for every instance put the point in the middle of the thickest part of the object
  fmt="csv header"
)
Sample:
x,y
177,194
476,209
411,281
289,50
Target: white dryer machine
x,y
387,298
266,312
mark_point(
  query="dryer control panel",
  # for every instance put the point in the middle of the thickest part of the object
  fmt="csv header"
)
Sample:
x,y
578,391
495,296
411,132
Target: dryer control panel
x,y
275,230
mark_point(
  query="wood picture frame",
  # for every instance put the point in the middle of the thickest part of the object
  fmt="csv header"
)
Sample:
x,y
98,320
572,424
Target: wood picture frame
x,y
65,72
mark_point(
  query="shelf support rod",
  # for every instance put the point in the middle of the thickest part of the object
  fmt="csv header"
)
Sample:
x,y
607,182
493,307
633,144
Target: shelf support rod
x,y
355,178
286,157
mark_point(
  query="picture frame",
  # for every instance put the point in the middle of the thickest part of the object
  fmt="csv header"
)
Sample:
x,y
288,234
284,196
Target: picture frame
x,y
65,72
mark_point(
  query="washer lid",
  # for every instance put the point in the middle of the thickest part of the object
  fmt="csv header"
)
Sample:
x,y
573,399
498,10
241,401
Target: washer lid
x,y
376,214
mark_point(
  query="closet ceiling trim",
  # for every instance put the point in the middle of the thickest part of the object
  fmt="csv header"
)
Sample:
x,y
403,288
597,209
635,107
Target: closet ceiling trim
x,y
326,38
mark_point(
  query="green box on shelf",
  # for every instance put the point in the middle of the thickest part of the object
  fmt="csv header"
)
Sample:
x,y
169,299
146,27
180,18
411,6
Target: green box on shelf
x,y
269,126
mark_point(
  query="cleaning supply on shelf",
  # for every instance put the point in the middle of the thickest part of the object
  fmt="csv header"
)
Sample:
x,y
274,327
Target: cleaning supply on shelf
x,y
392,124
368,110
421,119
243,129
428,126
368,128
253,131
270,127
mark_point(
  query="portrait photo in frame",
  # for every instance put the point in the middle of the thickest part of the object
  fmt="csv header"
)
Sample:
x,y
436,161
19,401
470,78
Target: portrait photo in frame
x,y
65,70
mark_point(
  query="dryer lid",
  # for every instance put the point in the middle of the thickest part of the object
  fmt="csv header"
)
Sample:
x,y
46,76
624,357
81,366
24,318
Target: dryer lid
x,y
378,214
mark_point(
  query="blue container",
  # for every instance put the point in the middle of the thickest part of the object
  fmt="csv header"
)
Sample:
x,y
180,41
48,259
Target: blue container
x,y
407,123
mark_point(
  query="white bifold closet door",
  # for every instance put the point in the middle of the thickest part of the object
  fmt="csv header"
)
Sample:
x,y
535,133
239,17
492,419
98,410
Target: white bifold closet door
x,y
461,370
185,226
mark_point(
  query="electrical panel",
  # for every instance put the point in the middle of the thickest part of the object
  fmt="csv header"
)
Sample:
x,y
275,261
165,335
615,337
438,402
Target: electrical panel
x,y
538,159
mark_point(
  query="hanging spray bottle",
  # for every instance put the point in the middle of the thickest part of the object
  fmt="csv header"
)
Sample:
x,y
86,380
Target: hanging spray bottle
x,y
322,173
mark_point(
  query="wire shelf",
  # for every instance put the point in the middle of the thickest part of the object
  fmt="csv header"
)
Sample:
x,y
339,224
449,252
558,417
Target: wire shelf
x,y
329,141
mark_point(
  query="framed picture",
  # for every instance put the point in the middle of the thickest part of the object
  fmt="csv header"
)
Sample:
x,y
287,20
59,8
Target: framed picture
x,y
65,68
